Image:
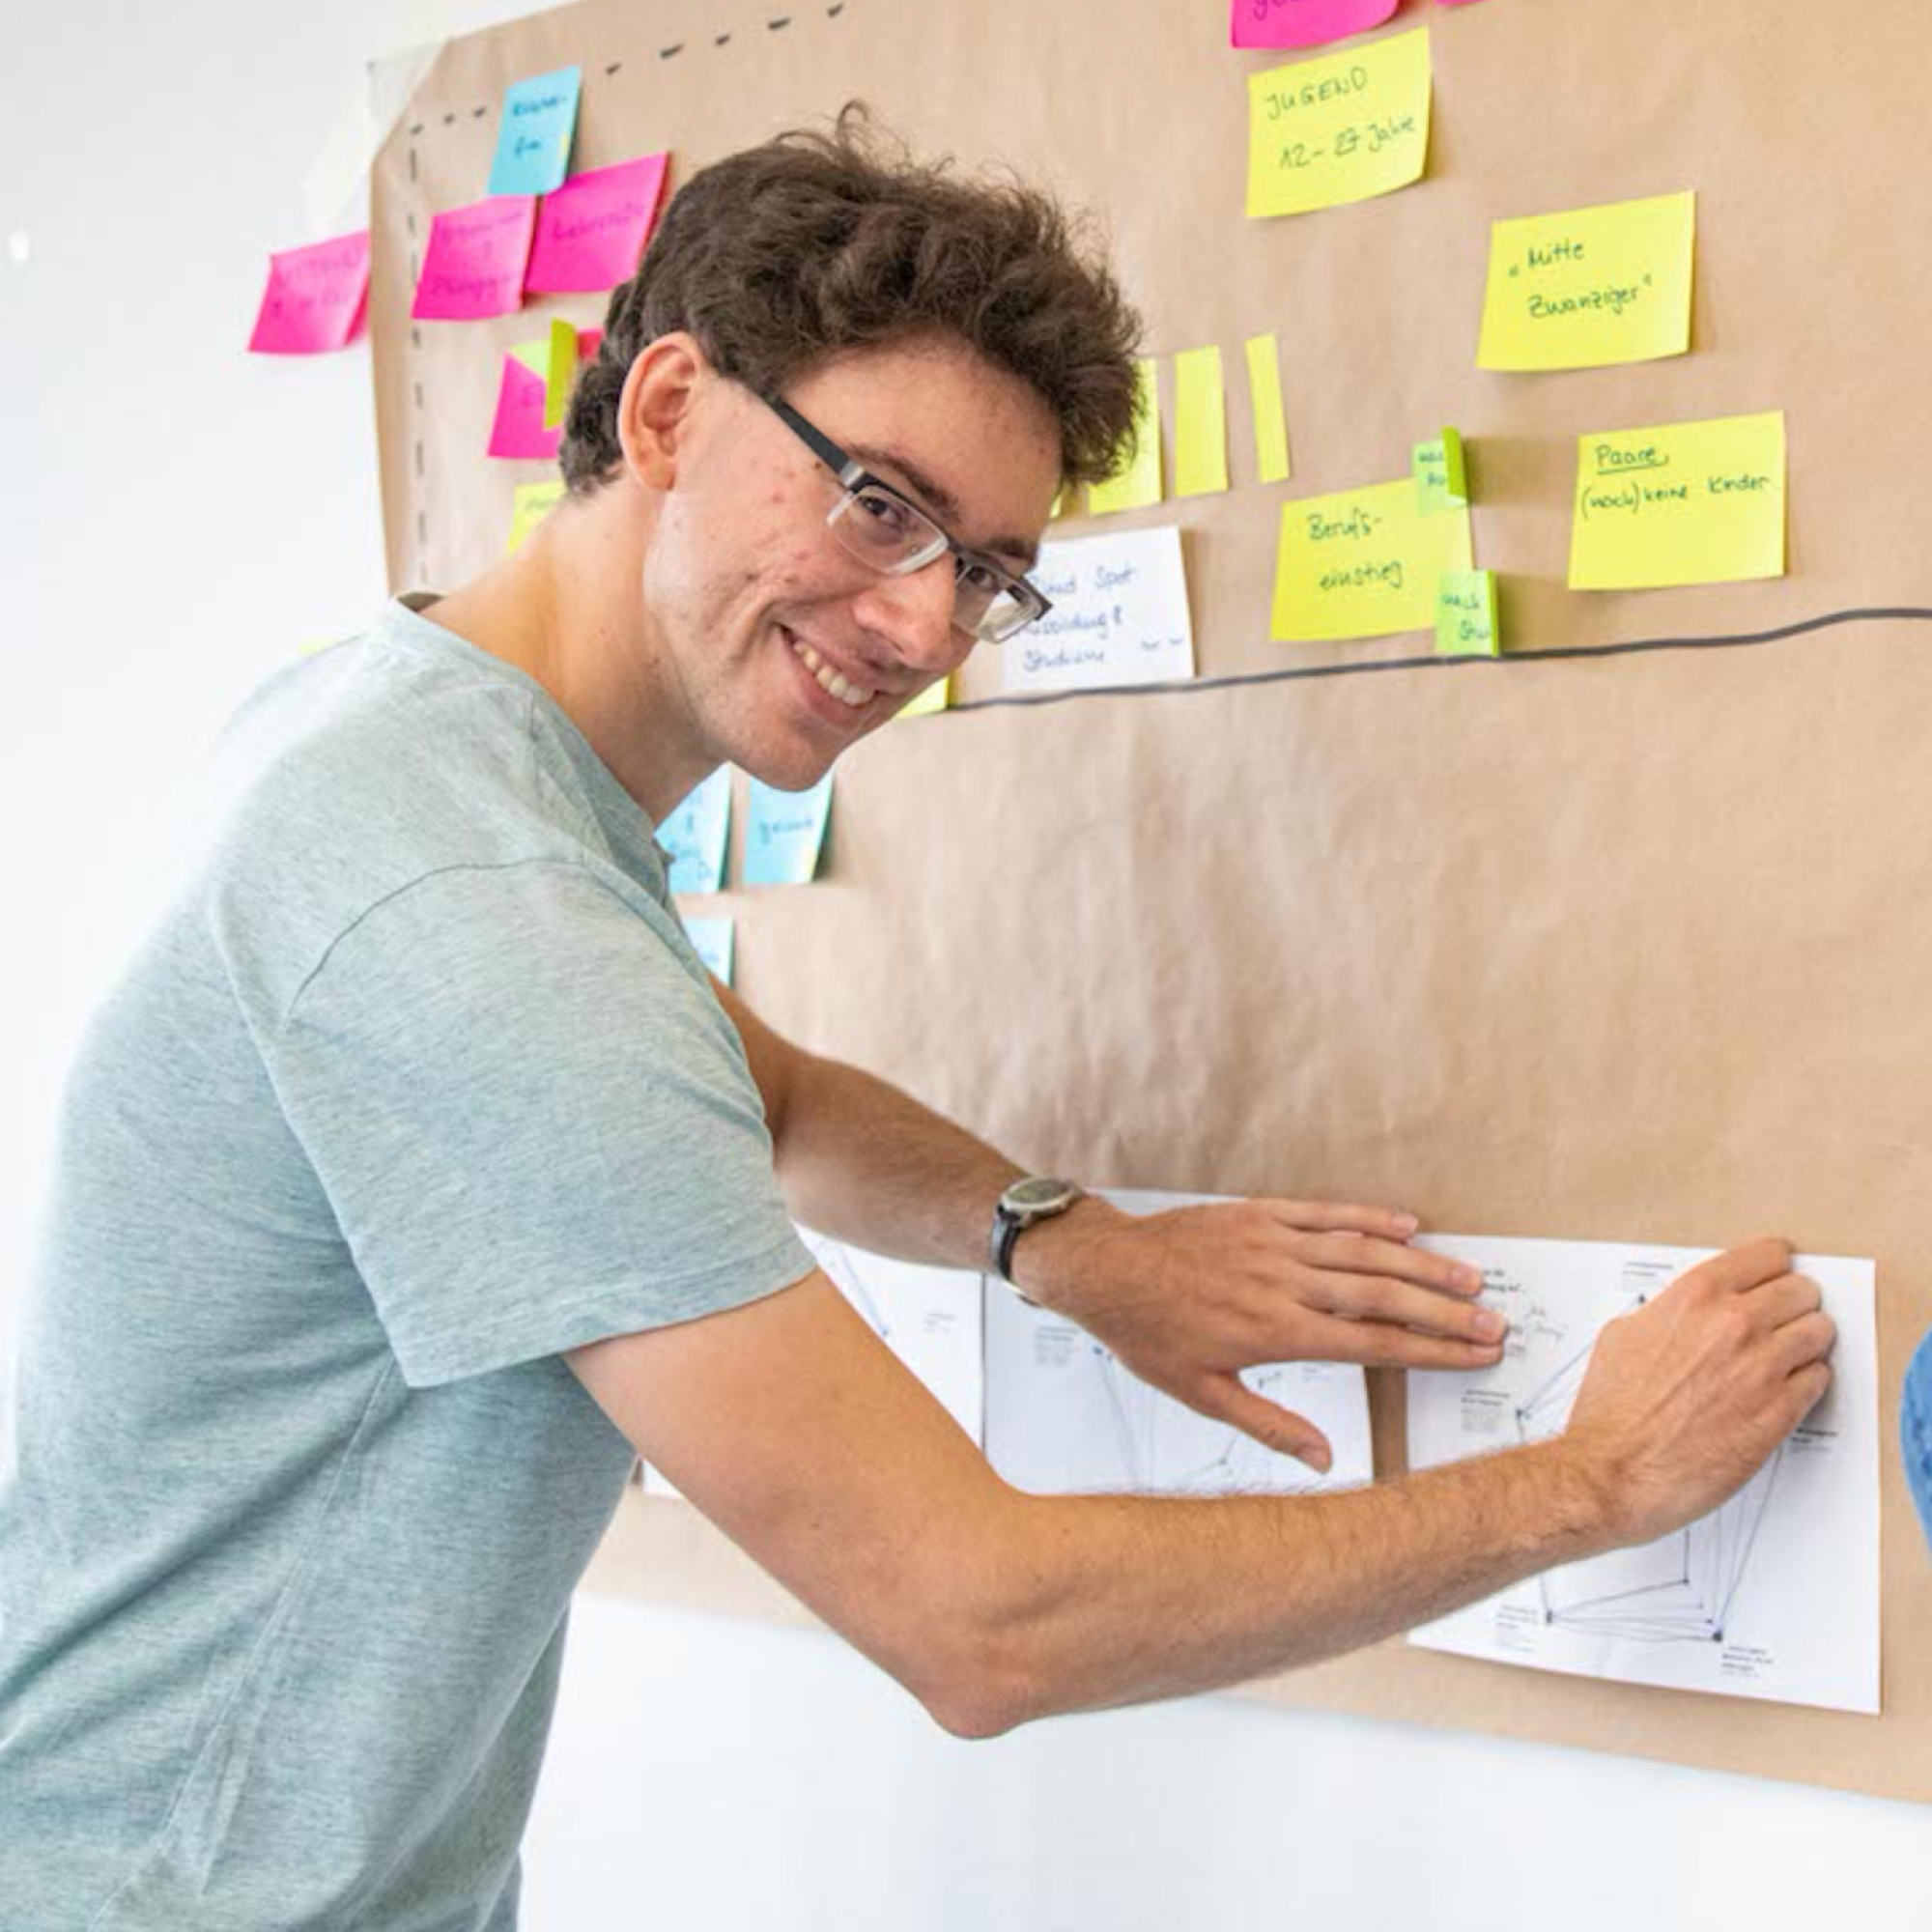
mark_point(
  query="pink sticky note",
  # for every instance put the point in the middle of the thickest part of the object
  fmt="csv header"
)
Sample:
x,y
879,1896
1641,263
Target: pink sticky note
x,y
475,260
1303,23
315,298
518,429
593,230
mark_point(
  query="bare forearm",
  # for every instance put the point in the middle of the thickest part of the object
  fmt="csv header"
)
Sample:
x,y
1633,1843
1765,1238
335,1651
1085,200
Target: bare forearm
x,y
1095,1601
862,1160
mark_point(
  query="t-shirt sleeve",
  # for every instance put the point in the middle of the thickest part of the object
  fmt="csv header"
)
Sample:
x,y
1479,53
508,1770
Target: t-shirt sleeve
x,y
535,1123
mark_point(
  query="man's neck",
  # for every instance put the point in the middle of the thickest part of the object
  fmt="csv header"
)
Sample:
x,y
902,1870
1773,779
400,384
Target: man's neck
x,y
557,610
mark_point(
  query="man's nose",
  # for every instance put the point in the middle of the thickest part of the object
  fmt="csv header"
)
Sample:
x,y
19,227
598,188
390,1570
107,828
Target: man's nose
x,y
914,613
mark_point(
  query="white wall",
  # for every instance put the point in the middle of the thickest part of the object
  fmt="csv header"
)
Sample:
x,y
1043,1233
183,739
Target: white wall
x,y
177,519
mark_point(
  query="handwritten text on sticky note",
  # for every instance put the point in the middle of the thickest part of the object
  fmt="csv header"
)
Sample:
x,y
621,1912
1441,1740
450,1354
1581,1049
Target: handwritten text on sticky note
x,y
533,138
1697,503
593,230
694,834
1591,287
1303,23
1119,616
784,833
315,298
1340,128
1362,563
474,265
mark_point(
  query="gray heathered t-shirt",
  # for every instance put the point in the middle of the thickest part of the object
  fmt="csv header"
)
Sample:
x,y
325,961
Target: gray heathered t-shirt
x,y
416,1084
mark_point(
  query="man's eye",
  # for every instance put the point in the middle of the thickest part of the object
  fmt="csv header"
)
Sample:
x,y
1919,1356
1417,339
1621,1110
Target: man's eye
x,y
980,577
888,512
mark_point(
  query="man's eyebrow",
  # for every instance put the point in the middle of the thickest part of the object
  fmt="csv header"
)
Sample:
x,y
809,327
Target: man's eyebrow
x,y
942,502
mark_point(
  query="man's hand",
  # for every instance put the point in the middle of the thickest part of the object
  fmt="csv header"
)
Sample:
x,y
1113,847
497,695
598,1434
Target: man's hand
x,y
1189,1297
1685,1397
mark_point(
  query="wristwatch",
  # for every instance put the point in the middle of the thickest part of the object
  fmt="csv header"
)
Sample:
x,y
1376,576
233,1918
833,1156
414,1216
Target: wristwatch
x,y
1038,1198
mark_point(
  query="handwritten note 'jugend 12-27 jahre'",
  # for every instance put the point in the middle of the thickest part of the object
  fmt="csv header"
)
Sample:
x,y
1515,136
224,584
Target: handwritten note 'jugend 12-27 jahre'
x,y
1697,502
1341,129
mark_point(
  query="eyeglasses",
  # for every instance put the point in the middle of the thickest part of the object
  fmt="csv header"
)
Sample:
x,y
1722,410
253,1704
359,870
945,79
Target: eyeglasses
x,y
884,528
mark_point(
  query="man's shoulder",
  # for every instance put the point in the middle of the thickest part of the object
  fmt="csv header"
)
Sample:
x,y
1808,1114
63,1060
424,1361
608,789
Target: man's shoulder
x,y
349,777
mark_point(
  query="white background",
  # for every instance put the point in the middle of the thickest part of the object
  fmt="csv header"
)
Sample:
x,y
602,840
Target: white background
x,y
179,517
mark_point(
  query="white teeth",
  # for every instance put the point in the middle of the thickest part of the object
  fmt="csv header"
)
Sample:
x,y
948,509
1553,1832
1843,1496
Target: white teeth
x,y
842,689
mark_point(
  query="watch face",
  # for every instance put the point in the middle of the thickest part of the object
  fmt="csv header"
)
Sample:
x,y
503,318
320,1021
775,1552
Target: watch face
x,y
1028,1196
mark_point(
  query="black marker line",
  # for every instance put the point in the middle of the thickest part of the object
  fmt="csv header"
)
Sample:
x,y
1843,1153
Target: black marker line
x,y
1896,614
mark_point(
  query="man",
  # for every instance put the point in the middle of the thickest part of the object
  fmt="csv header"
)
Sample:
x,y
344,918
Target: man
x,y
416,1179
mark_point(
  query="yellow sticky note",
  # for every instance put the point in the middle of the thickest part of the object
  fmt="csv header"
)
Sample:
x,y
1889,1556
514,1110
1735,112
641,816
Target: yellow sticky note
x,y
1465,615
1362,563
1138,485
1697,503
560,372
1264,399
1340,128
533,503
1594,286
1200,424
934,698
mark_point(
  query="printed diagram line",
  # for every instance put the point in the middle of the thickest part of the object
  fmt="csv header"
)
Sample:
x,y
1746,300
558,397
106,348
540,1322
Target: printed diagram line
x,y
1675,1590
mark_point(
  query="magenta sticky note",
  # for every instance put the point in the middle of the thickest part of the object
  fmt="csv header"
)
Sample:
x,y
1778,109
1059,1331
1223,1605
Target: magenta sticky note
x,y
475,262
1304,23
518,429
315,298
593,230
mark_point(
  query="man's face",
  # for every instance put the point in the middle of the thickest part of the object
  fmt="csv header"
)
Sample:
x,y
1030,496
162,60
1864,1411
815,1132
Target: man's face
x,y
786,648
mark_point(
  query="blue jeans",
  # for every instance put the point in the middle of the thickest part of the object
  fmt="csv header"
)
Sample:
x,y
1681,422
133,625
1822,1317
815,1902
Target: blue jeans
x,y
1914,1429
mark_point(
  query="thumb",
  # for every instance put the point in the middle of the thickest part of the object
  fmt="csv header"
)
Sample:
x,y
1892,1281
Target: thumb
x,y
1230,1400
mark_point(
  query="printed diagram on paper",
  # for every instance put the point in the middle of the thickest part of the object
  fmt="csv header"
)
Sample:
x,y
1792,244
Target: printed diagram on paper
x,y
1064,1416
1772,1595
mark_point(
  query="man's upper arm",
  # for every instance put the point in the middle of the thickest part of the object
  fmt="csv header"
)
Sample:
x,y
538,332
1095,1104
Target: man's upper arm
x,y
794,1428
771,1057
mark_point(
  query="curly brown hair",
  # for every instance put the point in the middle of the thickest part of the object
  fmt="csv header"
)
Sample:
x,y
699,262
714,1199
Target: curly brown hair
x,y
816,243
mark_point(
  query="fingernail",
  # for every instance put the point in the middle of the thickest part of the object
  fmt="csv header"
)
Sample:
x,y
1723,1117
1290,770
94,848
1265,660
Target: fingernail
x,y
1471,1278
1491,1325
1407,1223
1321,1461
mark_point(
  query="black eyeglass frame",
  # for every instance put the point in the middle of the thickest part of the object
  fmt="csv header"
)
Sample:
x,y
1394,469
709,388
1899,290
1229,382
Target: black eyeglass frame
x,y
853,477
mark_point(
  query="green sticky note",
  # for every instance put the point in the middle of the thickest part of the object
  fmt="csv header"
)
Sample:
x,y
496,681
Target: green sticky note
x,y
1465,615
1442,475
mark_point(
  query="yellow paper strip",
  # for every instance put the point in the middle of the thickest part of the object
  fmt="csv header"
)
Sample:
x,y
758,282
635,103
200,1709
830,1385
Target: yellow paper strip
x,y
1698,502
1264,399
533,503
560,372
1200,424
1590,287
1340,128
1138,485
934,698
1361,563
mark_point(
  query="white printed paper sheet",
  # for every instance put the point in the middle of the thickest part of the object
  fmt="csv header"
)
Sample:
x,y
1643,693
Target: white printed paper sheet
x,y
1063,1417
1772,1595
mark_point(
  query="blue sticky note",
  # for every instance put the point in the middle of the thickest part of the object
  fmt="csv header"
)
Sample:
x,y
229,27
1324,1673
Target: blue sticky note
x,y
695,836
785,833
533,141
711,940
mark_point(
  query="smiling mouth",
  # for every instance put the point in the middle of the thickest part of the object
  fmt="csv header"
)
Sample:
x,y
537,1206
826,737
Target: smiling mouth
x,y
854,697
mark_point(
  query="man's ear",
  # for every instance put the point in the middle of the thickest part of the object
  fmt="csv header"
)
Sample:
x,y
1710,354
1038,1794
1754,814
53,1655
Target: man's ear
x,y
666,378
